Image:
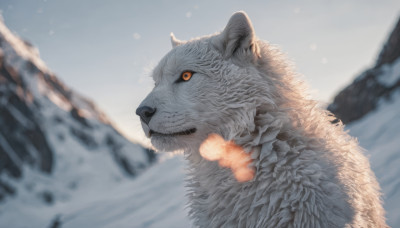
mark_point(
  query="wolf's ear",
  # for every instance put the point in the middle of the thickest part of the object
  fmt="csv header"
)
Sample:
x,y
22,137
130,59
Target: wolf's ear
x,y
175,42
238,37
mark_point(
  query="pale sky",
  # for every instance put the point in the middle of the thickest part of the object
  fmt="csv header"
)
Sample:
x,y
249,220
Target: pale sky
x,y
106,49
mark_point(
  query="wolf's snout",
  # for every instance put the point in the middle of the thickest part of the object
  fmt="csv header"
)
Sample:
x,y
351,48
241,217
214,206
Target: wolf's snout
x,y
145,113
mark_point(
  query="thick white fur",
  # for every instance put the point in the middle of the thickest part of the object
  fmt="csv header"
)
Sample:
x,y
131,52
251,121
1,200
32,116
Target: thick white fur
x,y
309,172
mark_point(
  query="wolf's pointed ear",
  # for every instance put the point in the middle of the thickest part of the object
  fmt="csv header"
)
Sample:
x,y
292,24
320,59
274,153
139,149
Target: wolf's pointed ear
x,y
175,42
238,37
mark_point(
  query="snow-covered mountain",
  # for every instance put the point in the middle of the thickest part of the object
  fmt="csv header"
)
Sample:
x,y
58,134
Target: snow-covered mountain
x,y
372,86
55,145
370,106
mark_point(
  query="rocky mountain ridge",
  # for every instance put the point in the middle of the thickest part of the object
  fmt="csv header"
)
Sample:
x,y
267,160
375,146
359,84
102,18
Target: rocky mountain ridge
x,y
367,90
49,129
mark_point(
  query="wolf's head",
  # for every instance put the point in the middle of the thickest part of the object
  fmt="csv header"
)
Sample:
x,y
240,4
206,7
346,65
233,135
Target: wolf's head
x,y
207,85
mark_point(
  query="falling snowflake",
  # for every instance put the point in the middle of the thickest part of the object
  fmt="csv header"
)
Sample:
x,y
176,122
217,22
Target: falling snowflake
x,y
313,47
136,36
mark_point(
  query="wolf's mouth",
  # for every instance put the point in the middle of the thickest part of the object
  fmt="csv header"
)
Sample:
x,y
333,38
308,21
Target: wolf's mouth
x,y
185,132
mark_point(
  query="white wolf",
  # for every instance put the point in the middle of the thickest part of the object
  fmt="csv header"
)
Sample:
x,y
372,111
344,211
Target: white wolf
x,y
307,171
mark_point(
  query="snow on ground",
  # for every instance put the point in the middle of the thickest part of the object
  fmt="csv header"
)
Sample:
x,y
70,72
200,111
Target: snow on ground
x,y
154,199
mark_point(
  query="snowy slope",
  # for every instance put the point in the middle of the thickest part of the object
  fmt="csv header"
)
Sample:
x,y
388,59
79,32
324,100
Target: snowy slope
x,y
379,133
156,198
56,147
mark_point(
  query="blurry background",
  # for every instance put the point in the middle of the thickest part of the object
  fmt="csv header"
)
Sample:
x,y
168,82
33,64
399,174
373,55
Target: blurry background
x,y
64,163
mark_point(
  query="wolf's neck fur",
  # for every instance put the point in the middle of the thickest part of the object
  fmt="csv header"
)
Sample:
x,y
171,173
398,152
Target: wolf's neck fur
x,y
273,146
294,182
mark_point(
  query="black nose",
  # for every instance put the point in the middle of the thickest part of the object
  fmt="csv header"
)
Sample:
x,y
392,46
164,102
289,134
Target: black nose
x,y
145,113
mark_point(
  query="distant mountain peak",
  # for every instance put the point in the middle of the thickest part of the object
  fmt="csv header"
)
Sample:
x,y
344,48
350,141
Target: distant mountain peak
x,y
391,50
367,90
23,48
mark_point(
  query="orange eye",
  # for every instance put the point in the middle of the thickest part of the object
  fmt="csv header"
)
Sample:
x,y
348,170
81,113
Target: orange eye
x,y
186,75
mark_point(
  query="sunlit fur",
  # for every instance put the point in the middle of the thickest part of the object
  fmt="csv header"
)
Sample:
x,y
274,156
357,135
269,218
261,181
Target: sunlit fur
x,y
228,155
308,171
